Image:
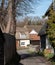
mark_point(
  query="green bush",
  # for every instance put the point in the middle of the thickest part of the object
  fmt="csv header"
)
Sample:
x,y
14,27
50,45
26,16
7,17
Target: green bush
x,y
53,63
48,54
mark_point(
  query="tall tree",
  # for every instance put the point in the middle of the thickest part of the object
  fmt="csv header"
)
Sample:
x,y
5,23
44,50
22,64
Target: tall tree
x,y
11,24
2,14
51,27
11,10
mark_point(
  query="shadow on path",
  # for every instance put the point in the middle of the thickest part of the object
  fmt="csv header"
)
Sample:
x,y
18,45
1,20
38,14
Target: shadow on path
x,y
15,60
24,56
34,59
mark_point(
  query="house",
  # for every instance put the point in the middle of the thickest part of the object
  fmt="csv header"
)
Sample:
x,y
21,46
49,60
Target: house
x,y
31,34
22,35
40,35
27,35
34,34
51,8
34,38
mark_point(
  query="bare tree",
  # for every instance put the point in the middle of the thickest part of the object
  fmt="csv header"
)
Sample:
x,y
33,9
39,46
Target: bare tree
x,y
1,15
8,14
11,24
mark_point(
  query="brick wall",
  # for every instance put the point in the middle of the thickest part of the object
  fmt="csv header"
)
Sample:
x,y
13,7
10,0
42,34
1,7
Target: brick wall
x,y
34,37
17,44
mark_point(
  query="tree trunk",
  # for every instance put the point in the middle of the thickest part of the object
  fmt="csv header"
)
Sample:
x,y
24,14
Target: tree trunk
x,y
2,15
11,18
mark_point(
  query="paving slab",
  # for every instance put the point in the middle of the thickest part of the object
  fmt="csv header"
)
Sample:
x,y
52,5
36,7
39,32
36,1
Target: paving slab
x,y
27,59
35,61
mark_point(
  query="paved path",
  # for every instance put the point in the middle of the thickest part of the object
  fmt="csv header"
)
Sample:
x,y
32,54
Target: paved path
x,y
35,61
28,59
24,51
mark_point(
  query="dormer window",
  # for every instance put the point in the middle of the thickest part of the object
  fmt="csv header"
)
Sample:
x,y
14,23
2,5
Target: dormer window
x,y
23,35
33,32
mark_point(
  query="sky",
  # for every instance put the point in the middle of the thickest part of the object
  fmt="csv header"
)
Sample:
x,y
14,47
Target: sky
x,y
40,8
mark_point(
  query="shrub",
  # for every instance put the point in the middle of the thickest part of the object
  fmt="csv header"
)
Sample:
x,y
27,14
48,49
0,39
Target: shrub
x,y
48,54
53,63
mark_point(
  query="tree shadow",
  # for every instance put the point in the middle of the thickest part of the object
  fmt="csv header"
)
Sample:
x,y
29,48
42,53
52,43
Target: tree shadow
x,y
15,60
24,56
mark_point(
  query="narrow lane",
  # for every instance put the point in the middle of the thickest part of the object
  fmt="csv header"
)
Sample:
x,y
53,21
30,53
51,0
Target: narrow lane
x,y
35,61
27,59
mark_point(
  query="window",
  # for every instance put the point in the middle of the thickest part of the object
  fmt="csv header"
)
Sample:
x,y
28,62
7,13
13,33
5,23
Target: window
x,y
22,43
23,36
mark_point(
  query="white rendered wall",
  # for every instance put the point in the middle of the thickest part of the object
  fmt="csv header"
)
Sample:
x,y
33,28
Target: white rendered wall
x,y
26,42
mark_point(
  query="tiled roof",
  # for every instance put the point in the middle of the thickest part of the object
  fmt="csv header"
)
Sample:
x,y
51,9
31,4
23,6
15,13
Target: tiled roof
x,y
34,27
21,29
29,28
40,29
